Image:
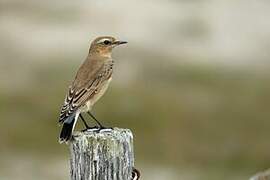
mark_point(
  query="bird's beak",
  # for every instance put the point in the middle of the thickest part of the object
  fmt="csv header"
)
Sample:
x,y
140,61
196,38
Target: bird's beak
x,y
120,42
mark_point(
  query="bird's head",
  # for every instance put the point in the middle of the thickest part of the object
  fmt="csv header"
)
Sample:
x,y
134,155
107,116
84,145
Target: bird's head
x,y
103,45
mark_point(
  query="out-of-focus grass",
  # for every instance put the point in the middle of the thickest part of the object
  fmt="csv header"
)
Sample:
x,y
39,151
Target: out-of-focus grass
x,y
182,116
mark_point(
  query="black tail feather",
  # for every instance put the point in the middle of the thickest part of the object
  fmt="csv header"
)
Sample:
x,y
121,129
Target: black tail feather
x,y
66,132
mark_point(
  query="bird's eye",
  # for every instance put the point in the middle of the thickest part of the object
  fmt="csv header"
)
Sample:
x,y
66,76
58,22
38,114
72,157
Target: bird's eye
x,y
107,42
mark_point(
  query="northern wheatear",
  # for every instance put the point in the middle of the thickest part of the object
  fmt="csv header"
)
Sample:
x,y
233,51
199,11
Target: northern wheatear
x,y
90,83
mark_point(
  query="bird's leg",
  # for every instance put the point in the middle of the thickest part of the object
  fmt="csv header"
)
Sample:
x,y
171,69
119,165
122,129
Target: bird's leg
x,y
84,122
86,125
92,116
100,125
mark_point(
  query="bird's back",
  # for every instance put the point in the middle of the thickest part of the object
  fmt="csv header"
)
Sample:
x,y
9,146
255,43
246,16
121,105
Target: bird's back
x,y
87,83
88,71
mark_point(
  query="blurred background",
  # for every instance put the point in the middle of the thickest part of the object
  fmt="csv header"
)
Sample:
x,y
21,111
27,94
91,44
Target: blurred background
x,y
192,84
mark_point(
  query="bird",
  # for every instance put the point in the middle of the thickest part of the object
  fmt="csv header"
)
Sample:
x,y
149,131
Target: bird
x,y
91,82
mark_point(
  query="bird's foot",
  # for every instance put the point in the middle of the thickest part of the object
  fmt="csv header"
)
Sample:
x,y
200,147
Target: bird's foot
x,y
102,128
97,129
93,128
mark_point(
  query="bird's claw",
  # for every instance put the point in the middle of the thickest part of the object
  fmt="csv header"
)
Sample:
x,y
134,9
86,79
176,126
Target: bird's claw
x,y
97,129
102,128
90,128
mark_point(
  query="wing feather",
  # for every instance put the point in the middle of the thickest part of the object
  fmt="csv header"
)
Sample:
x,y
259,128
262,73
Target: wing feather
x,y
77,97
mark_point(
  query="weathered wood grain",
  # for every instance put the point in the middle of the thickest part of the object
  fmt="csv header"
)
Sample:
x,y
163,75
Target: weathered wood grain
x,y
104,155
262,175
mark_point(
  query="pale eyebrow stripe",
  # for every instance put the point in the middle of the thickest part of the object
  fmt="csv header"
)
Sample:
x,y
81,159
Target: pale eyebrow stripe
x,y
102,40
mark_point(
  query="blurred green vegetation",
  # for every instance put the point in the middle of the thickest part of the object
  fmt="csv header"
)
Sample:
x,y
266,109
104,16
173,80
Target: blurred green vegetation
x,y
184,115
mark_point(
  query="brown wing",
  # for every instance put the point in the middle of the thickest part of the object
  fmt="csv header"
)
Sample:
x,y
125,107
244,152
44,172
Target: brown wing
x,y
80,92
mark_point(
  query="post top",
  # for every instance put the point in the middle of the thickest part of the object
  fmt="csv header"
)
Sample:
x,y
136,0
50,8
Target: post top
x,y
104,133
105,154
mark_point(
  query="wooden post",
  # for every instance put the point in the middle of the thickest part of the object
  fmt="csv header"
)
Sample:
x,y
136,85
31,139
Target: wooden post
x,y
262,175
104,155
